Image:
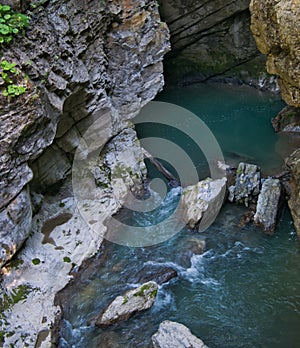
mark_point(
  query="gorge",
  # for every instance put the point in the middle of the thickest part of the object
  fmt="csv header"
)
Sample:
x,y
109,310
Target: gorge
x,y
103,60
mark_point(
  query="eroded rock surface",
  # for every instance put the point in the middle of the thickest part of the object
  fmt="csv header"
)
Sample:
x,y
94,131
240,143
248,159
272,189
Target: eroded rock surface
x,y
122,307
211,38
287,120
15,225
175,335
267,205
86,60
247,184
122,157
64,237
275,26
293,163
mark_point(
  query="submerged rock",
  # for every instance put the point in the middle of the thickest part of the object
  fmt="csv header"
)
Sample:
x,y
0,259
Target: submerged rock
x,y
188,248
202,202
267,205
247,184
159,275
293,163
124,306
175,335
108,339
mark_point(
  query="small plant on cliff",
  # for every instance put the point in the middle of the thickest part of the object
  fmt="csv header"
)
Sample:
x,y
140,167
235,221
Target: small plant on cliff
x,y
12,81
11,23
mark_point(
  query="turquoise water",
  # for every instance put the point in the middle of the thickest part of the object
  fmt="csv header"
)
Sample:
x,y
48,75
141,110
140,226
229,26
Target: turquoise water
x,y
244,291
240,119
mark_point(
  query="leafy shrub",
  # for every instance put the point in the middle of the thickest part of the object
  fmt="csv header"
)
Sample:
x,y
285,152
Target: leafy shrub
x,y
11,23
12,80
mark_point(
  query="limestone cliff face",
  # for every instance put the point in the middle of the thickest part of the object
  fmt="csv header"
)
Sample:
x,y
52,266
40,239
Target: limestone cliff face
x,y
211,38
293,163
83,58
276,29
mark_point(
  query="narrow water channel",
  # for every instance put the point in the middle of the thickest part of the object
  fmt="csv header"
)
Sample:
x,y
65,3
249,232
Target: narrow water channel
x,y
244,291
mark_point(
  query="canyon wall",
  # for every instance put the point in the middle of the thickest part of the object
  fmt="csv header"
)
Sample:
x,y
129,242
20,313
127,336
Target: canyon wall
x,y
276,28
83,60
211,39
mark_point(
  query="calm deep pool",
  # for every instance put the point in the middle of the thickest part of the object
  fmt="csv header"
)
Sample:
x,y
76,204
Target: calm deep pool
x,y
244,291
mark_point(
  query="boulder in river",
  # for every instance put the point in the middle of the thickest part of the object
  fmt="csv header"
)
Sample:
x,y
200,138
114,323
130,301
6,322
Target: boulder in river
x,y
124,306
267,205
175,335
202,202
247,184
159,275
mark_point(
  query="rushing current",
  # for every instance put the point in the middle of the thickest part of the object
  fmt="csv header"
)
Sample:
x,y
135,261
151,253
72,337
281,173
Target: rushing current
x,y
244,290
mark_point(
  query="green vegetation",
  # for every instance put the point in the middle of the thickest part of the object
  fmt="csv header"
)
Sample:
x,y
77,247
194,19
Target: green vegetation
x,y
239,171
13,82
17,294
36,4
11,23
141,293
36,261
142,290
153,294
67,259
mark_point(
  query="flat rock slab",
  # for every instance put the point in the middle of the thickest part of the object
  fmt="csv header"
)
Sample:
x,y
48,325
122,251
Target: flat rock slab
x,y
174,335
267,205
124,306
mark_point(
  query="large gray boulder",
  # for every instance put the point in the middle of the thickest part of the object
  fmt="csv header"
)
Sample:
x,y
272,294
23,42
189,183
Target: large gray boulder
x,y
124,306
267,205
247,184
202,202
174,335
